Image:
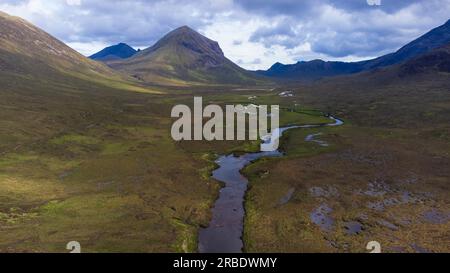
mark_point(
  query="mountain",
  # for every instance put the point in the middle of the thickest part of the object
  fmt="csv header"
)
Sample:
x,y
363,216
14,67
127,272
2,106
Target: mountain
x,y
427,67
28,50
438,60
119,51
311,70
182,57
436,38
317,69
33,59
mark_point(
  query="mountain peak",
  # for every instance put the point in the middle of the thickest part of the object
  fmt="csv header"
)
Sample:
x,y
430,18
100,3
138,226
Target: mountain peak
x,y
119,51
184,28
184,55
186,38
182,31
185,32
276,65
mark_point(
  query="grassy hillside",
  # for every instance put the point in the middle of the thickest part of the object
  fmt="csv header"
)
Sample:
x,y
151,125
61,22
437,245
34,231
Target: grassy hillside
x,y
31,57
184,57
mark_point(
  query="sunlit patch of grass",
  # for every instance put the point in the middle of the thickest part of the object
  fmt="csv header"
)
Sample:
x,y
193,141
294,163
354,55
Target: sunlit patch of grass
x,y
115,148
115,83
22,191
13,159
79,139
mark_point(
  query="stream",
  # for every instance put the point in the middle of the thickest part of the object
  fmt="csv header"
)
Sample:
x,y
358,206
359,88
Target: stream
x,y
224,233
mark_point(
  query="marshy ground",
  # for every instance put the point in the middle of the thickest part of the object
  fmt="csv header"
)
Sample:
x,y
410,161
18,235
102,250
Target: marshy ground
x,y
97,165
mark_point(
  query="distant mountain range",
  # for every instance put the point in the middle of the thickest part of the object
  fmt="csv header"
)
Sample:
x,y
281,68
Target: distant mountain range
x,y
317,69
185,57
119,51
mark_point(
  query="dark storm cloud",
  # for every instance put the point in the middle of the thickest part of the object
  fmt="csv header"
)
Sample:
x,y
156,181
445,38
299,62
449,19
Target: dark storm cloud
x,y
285,7
356,43
305,8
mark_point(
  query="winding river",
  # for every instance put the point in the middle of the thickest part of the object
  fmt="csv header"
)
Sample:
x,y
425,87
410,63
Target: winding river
x,y
224,234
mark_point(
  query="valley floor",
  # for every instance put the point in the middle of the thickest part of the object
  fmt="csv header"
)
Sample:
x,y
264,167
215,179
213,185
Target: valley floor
x,y
97,165
367,185
384,175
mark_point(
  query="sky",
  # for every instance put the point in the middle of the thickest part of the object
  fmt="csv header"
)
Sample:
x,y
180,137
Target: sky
x,y
253,33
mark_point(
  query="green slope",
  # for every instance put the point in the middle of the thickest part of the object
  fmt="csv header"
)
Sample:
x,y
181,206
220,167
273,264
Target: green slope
x,y
184,57
29,56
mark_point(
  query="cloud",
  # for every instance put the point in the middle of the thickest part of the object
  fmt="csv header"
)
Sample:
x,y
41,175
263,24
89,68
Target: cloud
x,y
73,2
340,29
256,32
309,8
285,32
